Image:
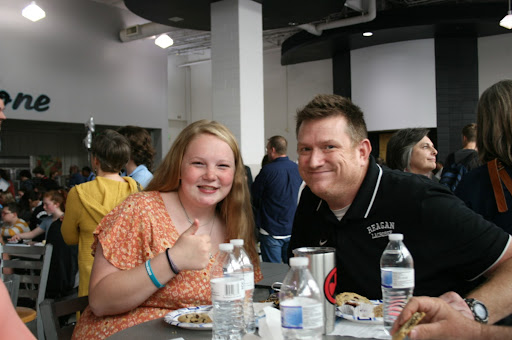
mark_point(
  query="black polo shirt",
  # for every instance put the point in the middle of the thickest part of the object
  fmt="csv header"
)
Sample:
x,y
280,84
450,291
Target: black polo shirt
x,y
450,244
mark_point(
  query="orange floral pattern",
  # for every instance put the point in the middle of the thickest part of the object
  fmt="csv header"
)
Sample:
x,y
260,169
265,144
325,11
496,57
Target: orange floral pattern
x,y
135,231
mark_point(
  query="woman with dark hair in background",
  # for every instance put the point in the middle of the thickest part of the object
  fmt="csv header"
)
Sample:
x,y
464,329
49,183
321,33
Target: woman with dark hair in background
x,y
88,202
141,156
411,150
154,252
494,145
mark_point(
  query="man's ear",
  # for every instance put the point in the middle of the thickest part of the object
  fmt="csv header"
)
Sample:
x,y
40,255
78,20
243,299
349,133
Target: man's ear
x,y
365,148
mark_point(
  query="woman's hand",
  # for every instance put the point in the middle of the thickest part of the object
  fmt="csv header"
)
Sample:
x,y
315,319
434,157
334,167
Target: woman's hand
x,y
15,237
191,251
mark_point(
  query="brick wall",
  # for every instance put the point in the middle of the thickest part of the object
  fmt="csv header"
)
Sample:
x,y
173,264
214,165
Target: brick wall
x,y
456,89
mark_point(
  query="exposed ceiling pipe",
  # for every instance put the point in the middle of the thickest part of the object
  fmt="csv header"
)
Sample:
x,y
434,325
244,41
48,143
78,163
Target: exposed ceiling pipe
x,y
143,31
319,28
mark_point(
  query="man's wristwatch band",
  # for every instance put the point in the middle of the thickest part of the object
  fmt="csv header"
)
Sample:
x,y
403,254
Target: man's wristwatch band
x,y
478,309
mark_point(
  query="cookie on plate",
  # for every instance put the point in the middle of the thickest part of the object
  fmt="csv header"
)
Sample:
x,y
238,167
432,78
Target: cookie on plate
x,y
350,298
195,318
378,311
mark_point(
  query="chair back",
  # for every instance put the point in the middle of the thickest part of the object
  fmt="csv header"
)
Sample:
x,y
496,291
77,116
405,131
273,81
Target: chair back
x,y
33,265
12,283
51,311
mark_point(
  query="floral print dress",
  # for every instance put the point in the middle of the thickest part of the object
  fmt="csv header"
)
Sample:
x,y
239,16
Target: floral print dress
x,y
137,230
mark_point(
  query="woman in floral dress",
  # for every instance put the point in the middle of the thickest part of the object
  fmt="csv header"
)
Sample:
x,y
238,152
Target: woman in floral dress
x,y
197,199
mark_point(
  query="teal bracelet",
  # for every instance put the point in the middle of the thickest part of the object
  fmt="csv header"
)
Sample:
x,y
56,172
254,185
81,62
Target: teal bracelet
x,y
152,276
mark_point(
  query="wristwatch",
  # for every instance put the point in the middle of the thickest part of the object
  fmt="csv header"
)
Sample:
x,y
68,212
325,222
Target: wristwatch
x,y
478,309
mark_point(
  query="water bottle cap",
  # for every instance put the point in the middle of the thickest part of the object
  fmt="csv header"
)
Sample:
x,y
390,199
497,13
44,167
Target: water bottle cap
x,y
226,247
237,242
299,261
396,237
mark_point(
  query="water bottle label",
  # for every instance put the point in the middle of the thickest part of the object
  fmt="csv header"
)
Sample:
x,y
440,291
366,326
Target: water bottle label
x,y
302,317
227,289
249,280
397,277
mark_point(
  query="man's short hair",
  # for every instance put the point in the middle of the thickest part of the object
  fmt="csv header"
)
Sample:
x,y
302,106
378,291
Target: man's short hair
x,y
279,143
13,207
112,150
328,105
469,131
25,173
33,195
38,170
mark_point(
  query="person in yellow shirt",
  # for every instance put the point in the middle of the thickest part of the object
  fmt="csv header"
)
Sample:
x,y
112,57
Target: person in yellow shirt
x,y
88,202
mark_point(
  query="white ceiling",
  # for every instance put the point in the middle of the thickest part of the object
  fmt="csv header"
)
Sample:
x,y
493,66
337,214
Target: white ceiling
x,y
188,41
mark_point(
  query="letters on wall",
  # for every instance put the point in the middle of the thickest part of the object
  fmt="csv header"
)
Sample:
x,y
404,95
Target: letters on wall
x,y
40,104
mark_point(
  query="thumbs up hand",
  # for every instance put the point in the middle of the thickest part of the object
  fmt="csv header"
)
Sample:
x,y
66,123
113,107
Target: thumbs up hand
x,y
191,251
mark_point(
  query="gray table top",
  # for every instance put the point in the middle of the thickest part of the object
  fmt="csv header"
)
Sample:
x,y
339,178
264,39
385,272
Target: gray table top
x,y
272,272
158,329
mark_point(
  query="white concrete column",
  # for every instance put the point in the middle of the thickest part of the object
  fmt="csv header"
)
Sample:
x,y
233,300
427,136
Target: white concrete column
x,y
237,73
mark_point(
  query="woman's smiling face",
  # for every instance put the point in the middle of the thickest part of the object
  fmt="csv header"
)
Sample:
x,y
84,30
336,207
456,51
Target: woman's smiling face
x,y
207,171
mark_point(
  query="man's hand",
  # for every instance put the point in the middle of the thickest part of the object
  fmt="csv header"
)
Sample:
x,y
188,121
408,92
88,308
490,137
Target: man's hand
x,y
440,322
458,303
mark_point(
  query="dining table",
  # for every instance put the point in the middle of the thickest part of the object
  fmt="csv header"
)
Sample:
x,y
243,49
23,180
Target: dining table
x,y
272,273
158,329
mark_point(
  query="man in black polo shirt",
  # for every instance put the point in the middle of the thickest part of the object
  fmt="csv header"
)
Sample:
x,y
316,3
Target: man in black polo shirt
x,y
352,204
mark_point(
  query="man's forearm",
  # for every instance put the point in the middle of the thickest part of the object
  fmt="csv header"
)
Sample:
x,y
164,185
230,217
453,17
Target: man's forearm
x,y
496,292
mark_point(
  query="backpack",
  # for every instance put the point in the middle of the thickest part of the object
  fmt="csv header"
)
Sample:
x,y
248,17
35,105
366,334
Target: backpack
x,y
451,176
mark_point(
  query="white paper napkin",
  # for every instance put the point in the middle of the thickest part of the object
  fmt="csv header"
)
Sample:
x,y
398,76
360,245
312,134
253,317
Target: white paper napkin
x,y
270,328
359,330
270,325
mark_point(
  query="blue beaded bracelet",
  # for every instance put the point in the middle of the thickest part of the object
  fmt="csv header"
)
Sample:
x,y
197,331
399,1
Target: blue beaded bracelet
x,y
152,276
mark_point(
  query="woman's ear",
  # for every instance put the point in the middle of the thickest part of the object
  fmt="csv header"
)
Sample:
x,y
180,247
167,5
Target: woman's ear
x,y
95,163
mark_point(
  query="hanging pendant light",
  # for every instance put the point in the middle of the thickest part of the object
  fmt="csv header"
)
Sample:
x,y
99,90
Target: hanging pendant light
x,y
507,20
33,12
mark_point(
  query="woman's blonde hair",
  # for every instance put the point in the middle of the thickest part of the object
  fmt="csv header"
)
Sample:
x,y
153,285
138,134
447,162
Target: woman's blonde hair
x,y
235,209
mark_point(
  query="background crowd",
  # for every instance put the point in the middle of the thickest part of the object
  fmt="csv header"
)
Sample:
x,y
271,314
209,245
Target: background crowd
x,y
143,244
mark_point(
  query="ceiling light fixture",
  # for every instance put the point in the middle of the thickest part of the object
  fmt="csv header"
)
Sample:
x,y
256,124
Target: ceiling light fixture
x,y
164,41
367,34
507,20
33,12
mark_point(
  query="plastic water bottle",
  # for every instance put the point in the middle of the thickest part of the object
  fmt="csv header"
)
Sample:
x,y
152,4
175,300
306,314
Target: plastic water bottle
x,y
248,273
302,311
227,295
397,278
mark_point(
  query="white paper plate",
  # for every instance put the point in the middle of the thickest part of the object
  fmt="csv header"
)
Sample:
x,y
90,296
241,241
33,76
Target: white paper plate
x,y
367,320
172,318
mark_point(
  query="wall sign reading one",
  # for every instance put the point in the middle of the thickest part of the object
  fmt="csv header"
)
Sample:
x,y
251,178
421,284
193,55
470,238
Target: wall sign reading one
x,y
41,103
